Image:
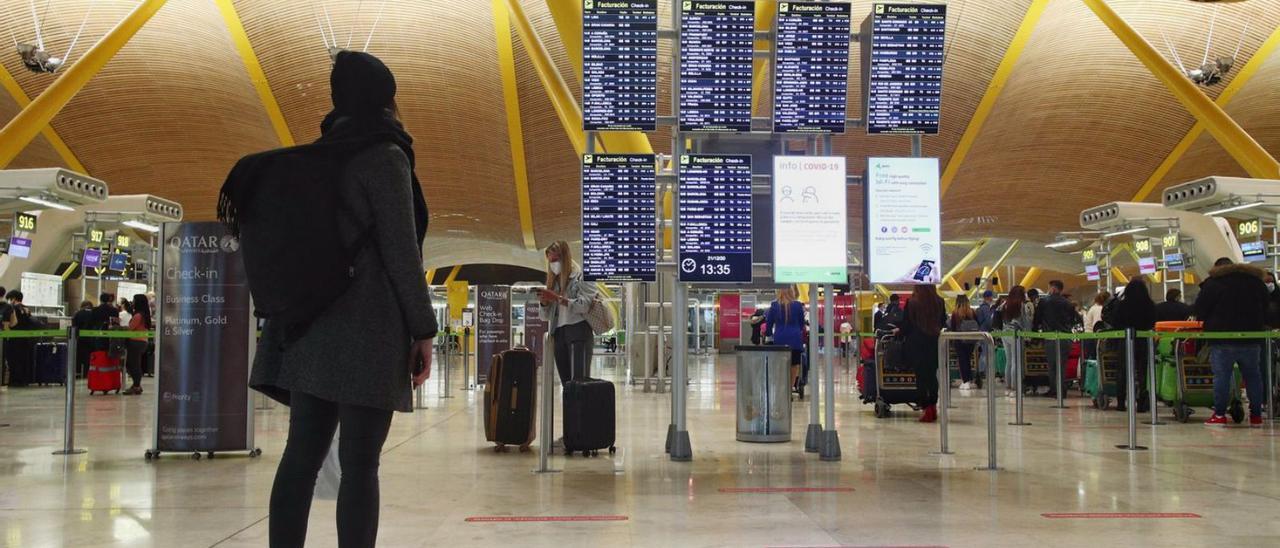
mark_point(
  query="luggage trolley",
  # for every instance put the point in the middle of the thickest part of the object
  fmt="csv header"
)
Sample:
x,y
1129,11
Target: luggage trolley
x,y
1191,384
1102,382
1035,364
894,382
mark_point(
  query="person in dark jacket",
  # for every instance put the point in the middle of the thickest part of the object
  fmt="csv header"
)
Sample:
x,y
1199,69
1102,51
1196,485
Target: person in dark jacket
x,y
357,362
1055,314
1234,299
1273,301
986,311
1173,309
923,319
81,321
757,325
1137,311
104,316
893,313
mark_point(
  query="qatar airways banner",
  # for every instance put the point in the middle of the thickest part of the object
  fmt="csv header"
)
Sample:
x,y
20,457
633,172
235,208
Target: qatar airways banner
x,y
204,342
493,326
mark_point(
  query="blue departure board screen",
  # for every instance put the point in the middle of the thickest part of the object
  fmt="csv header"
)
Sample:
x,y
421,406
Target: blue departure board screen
x,y
811,67
903,68
619,217
715,218
620,65
717,43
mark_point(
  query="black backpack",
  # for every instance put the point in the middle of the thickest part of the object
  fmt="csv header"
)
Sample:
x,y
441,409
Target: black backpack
x,y
287,224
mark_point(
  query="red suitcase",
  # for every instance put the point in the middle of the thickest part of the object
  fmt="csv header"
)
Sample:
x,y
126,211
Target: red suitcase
x,y
105,373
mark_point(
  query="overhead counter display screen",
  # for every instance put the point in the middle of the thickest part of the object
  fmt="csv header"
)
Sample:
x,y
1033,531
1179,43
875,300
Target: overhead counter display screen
x,y
619,217
717,42
903,68
620,65
715,218
811,67
810,220
904,223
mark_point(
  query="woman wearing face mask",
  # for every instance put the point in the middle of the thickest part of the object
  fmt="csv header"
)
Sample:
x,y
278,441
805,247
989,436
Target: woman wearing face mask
x,y
1273,301
565,303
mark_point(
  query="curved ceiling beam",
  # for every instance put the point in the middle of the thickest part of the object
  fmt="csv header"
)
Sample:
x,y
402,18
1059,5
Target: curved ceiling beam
x,y
515,130
259,79
1240,145
765,11
59,146
988,102
562,101
24,127
1246,73
567,15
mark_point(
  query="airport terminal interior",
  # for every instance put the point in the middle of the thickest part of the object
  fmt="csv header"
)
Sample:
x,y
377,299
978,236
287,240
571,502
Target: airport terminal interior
x,y
687,262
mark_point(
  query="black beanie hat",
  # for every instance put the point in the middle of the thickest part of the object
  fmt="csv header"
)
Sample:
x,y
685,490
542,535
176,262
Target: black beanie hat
x,y
361,84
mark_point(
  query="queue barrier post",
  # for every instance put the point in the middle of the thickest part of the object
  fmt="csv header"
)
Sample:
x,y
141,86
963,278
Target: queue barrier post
x,y
1269,362
546,421
1059,372
944,416
1131,397
69,414
448,363
466,361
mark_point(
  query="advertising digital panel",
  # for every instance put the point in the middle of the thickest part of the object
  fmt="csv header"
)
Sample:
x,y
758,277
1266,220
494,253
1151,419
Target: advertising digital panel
x,y
619,217
811,67
810,221
1091,272
902,65
619,65
904,223
715,218
717,44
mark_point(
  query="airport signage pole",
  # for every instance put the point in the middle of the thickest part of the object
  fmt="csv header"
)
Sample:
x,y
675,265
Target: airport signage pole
x,y
814,432
681,448
829,447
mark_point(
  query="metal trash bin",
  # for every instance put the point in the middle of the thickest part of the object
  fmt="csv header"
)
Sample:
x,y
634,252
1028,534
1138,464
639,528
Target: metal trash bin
x,y
764,393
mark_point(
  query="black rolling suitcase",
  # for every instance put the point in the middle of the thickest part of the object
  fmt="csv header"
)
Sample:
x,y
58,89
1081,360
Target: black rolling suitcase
x,y
50,363
510,400
589,414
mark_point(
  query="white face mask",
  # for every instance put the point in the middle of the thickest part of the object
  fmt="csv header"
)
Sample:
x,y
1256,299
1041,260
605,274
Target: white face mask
x,y
555,268
1271,286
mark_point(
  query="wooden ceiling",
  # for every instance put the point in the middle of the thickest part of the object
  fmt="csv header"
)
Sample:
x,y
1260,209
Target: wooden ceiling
x,y
1079,122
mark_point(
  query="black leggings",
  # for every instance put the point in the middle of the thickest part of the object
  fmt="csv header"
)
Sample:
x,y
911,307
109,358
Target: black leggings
x,y
133,361
927,383
312,422
573,339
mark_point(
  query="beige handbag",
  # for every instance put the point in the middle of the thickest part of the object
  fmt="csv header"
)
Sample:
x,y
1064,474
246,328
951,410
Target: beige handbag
x,y
599,318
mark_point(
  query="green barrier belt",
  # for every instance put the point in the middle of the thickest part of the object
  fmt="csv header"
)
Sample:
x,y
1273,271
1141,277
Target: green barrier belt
x,y
33,334
1113,335
115,334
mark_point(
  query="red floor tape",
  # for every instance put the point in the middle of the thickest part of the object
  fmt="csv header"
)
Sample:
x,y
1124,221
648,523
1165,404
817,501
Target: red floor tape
x,y
539,519
1121,515
759,490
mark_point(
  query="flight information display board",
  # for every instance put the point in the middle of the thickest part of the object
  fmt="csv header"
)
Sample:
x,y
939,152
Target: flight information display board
x,y
619,65
619,217
811,67
903,68
715,218
717,42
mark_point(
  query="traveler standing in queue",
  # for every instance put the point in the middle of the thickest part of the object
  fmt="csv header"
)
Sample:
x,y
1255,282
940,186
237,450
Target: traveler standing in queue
x,y
877,317
1055,314
355,360
964,320
565,303
786,322
104,316
1234,299
81,321
20,352
757,326
1136,311
1173,309
923,318
1273,301
137,349
1014,314
1092,321
986,312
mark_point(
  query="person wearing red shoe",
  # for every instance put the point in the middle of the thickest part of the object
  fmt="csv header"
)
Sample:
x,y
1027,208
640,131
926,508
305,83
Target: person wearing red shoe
x,y
924,317
1234,299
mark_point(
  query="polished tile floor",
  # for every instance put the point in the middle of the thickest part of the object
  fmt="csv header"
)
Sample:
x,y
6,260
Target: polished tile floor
x,y
1215,487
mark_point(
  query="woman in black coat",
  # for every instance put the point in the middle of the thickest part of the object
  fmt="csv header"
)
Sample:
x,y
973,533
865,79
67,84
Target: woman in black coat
x,y
1135,310
924,317
357,361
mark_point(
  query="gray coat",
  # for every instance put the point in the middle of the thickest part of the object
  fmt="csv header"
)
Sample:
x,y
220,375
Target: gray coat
x,y
357,351
580,294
